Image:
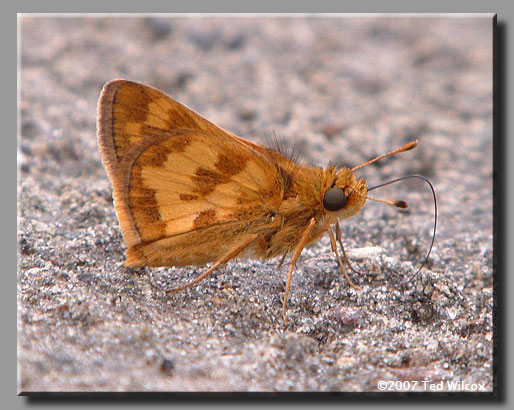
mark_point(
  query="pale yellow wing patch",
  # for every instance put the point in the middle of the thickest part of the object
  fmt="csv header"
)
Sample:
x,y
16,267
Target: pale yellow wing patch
x,y
198,186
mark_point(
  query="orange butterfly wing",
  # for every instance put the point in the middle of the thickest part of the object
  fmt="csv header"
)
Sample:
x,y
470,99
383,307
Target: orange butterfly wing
x,y
184,189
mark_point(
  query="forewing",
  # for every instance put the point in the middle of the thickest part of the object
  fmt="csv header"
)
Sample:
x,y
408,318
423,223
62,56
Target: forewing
x,y
175,173
189,180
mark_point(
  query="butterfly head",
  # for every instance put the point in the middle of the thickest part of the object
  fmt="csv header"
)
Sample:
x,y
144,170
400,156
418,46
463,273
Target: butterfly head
x,y
346,196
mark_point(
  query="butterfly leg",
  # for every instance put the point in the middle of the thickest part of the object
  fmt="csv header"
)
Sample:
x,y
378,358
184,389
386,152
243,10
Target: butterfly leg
x,y
232,253
298,250
345,258
282,261
333,245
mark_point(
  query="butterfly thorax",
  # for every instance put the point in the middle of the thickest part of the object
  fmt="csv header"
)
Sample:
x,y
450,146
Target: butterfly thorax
x,y
303,201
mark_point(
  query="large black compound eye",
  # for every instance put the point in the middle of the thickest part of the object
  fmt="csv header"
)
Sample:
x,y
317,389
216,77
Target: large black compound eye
x,y
334,199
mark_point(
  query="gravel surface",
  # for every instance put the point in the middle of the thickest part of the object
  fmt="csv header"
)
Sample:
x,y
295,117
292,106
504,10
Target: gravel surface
x,y
341,90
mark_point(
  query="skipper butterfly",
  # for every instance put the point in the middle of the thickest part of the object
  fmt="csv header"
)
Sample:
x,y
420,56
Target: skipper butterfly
x,y
187,192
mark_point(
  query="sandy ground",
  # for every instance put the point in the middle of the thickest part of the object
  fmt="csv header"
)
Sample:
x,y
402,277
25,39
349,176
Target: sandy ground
x,y
342,90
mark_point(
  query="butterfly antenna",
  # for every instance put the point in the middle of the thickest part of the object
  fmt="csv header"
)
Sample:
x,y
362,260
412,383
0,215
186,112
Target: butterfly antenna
x,y
435,218
406,147
396,203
